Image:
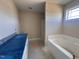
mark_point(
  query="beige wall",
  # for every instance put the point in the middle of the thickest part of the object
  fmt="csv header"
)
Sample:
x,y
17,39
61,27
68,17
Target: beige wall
x,y
8,18
53,19
71,27
31,23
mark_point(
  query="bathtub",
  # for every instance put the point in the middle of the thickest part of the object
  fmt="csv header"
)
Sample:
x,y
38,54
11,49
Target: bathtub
x,y
26,49
14,47
66,43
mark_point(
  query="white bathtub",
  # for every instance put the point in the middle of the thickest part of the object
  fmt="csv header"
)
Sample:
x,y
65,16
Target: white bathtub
x,y
25,53
57,51
69,44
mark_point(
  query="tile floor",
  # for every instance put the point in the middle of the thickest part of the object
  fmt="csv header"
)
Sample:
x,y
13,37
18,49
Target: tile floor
x,y
36,50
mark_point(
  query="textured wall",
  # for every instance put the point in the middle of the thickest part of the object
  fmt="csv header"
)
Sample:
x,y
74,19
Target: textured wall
x,y
71,27
31,23
8,18
53,19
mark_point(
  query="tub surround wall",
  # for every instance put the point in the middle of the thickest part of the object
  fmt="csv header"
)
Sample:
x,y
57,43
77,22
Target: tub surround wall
x,y
9,23
53,19
71,27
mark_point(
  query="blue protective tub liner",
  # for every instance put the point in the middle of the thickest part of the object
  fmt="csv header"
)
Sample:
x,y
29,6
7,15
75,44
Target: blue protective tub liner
x,y
6,57
14,47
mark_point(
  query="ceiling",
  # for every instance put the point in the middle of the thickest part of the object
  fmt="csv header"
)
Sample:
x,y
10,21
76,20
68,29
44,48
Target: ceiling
x,y
62,2
35,5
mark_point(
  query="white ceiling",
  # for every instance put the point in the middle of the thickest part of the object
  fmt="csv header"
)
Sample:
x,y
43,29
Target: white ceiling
x,y
37,5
